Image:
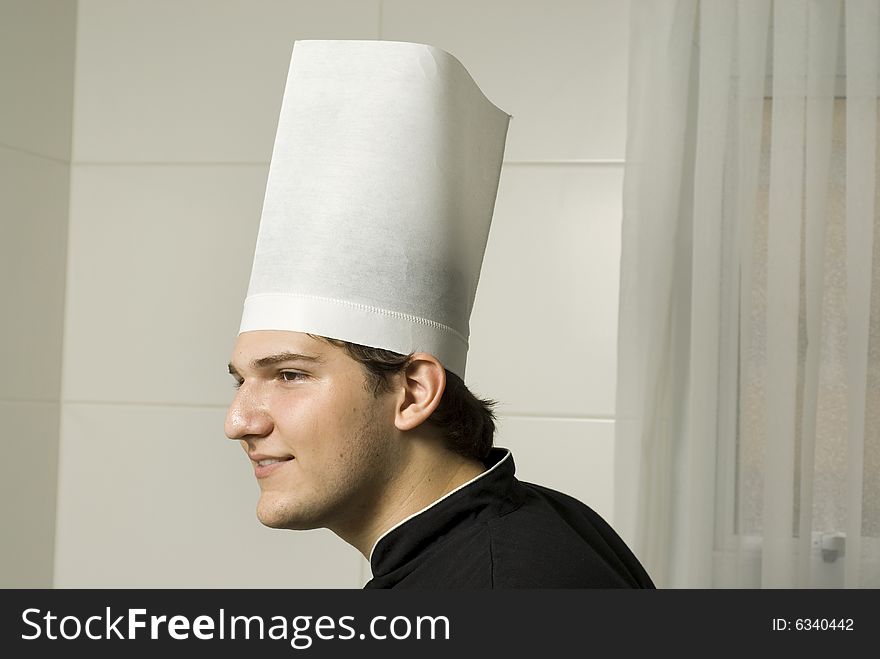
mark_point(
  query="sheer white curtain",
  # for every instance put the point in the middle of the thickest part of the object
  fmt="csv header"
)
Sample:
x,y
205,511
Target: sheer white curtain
x,y
748,393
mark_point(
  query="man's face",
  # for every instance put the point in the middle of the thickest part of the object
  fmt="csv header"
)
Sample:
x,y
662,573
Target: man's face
x,y
303,402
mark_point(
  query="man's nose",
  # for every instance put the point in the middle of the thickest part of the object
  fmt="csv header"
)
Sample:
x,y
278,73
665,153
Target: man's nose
x,y
247,417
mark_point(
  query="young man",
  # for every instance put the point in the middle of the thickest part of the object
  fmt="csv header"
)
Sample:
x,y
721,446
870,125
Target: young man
x,y
351,404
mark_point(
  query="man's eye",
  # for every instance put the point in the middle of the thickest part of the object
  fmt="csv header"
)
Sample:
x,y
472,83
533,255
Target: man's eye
x,y
237,384
291,376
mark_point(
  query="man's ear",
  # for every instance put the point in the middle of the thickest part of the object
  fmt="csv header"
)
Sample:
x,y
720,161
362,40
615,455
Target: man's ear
x,y
424,380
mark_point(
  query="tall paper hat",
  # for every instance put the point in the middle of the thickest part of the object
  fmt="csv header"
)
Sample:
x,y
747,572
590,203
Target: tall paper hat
x,y
380,194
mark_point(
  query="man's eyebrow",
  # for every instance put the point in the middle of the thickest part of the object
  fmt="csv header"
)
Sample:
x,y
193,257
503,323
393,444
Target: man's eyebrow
x,y
269,360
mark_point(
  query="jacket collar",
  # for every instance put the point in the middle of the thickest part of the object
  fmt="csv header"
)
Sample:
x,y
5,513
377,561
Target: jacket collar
x,y
483,497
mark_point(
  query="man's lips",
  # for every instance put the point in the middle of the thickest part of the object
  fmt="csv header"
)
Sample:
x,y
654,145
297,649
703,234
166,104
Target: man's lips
x,y
265,465
262,457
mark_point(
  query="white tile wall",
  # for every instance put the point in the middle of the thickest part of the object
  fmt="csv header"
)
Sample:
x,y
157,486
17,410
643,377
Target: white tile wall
x,y
36,99
154,496
29,437
176,104
36,75
160,259
574,456
33,246
544,324
558,66
194,81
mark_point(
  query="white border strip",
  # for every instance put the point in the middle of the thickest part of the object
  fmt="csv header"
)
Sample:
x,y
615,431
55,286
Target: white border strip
x,y
445,496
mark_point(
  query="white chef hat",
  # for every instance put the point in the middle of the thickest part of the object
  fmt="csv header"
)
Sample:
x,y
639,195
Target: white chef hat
x,y
380,193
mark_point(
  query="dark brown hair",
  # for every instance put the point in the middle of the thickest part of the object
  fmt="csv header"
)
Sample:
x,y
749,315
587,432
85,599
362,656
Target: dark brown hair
x,y
467,422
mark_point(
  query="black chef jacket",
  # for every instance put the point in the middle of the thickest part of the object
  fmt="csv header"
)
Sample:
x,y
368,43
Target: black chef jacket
x,y
499,532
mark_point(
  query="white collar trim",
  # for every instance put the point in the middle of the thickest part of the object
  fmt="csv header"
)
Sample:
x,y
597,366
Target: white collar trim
x,y
431,505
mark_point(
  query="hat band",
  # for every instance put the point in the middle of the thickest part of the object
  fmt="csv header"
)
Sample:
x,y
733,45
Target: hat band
x,y
356,323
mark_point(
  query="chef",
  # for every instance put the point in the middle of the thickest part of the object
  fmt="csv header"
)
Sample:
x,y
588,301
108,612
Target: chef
x,y
351,401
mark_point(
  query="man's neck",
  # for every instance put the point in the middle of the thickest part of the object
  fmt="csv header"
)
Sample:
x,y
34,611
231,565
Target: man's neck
x,y
430,474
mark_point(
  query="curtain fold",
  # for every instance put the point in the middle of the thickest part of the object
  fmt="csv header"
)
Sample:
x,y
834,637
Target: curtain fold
x,y
861,134
748,411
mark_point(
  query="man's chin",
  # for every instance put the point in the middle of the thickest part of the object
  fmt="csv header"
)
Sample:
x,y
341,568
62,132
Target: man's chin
x,y
276,518
271,523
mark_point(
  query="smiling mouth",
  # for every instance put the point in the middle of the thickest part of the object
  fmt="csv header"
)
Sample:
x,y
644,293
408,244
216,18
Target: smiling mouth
x,y
269,461
267,466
